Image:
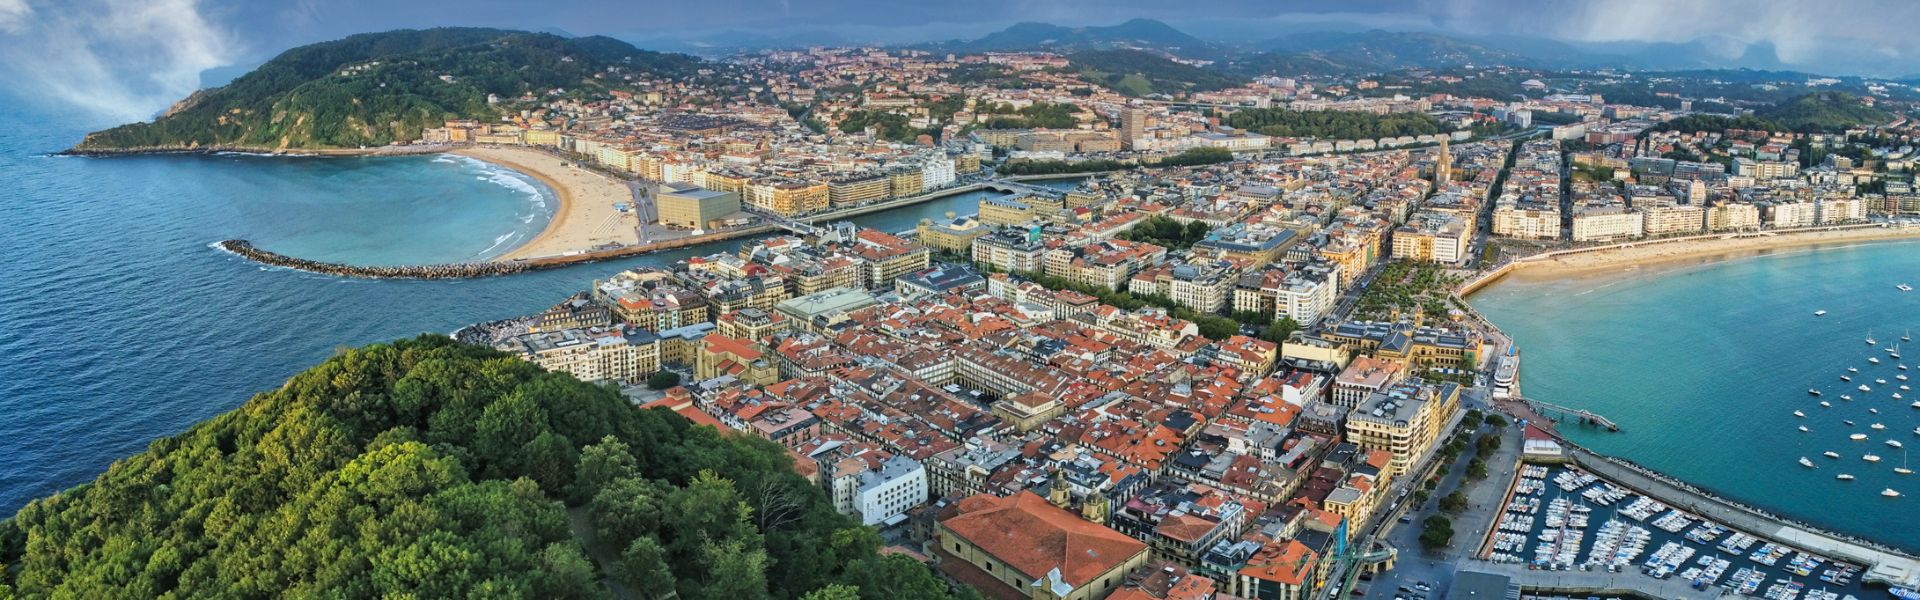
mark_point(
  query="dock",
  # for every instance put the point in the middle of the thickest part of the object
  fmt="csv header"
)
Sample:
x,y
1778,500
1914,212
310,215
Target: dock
x,y
1585,416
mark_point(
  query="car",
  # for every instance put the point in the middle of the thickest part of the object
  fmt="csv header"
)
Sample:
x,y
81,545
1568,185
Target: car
x,y
1422,586
1406,518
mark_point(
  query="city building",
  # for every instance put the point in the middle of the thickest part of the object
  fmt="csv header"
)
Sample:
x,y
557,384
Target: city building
x,y
1024,546
618,353
1405,419
692,207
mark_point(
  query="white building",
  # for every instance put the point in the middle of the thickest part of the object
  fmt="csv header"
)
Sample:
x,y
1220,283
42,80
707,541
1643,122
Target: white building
x,y
618,353
1842,210
881,494
936,172
1793,214
1599,224
1730,217
1670,219
1308,293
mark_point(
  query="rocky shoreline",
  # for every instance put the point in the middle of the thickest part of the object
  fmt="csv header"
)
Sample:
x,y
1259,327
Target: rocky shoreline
x,y
247,250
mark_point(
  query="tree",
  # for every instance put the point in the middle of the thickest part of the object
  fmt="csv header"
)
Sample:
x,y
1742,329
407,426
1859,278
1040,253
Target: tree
x,y
1280,330
1454,502
600,464
662,379
1436,531
836,591
643,566
1477,469
1421,496
1497,420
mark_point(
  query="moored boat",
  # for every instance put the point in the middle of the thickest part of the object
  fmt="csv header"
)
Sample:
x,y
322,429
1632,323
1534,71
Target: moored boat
x,y
1831,454
1858,437
1805,463
1890,493
1843,477
1871,458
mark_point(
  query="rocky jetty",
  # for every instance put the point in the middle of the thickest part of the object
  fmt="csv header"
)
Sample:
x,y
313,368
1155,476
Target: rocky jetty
x,y
245,249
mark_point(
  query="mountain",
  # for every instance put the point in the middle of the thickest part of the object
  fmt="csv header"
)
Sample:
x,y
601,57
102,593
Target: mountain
x,y
429,469
1138,33
372,89
1140,73
1378,50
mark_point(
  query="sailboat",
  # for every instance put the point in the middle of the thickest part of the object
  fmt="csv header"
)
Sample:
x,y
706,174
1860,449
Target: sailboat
x,y
1907,337
1870,340
1902,469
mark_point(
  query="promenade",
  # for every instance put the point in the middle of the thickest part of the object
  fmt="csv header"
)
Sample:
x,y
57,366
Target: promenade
x,y
1595,583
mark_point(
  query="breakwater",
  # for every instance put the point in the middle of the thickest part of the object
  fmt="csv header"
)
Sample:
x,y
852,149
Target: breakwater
x,y
247,250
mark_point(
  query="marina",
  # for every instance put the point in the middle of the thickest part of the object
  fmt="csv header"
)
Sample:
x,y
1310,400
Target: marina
x,y
1561,518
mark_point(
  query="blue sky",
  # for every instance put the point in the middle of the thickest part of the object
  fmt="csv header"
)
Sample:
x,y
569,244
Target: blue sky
x,y
125,59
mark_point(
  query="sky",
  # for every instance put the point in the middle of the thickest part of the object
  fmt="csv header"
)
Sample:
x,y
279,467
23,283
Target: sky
x,y
121,60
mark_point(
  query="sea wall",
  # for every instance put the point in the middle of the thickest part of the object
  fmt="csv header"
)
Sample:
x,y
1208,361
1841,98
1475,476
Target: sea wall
x,y
245,249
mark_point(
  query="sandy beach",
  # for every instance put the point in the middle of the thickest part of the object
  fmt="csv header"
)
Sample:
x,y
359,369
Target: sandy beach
x,y
585,218
1655,252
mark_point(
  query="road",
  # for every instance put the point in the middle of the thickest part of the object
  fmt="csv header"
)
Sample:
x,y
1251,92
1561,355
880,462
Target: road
x,y
1436,568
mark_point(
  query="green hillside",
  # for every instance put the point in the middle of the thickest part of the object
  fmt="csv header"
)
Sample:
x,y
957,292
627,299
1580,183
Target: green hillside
x,y
1139,73
1824,111
1335,124
428,469
372,89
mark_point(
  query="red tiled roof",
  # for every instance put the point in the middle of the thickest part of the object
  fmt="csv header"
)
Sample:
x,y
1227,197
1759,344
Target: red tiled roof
x,y
1033,536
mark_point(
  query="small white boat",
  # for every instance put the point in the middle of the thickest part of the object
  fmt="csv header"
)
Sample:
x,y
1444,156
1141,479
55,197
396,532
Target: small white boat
x,y
1803,429
1877,426
1901,377
1846,378
1846,397
1831,454
1870,340
1826,404
1907,337
1903,287
1895,443
1871,458
1813,392
1879,382
1800,414
1903,367
1864,388
1858,437
1873,359
1916,404
1890,493
1805,463
1853,369
1903,470
1896,395
1873,411
1819,313
1904,388
1843,477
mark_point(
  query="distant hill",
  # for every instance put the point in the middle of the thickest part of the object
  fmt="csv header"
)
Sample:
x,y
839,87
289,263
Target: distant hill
x,y
1825,111
1389,50
1137,33
375,88
1140,73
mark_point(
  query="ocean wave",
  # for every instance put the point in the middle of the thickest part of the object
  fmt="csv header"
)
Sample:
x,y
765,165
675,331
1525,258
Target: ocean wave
x,y
497,242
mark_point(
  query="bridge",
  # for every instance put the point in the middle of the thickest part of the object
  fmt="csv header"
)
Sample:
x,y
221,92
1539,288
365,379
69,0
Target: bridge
x,y
1585,416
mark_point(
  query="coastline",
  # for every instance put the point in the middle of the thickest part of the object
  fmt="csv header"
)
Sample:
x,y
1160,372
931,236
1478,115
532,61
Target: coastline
x,y
408,150
584,218
1635,255
1654,253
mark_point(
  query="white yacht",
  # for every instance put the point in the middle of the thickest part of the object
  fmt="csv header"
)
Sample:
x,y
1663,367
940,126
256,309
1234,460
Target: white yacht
x,y
1803,429
1890,493
1895,443
1871,458
1826,404
1846,397
1830,454
1805,463
1800,414
1876,426
1870,340
1819,313
1903,287
1873,359
1863,387
1879,382
1858,437
1853,369
1843,477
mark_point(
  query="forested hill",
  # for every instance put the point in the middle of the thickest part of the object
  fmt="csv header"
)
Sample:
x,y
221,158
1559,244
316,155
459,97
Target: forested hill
x,y
428,469
372,89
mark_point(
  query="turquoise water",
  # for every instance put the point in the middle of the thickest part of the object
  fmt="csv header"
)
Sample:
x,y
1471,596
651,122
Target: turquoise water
x,y
120,324
1703,363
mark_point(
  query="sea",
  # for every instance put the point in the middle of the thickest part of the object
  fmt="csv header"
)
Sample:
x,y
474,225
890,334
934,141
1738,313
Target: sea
x,y
121,323
1703,363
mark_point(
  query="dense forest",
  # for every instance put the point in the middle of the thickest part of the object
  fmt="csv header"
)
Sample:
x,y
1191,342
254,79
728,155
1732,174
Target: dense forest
x,y
1141,73
375,88
428,469
1334,124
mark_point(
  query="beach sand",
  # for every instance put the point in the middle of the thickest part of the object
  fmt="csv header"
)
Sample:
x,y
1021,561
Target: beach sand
x,y
585,217
1656,252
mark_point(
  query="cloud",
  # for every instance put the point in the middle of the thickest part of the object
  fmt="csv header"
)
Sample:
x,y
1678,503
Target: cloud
x,y
13,15
118,59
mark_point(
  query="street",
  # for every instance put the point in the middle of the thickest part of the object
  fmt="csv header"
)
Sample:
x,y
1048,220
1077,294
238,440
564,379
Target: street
x,y
1436,568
